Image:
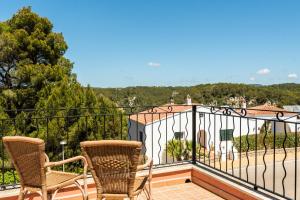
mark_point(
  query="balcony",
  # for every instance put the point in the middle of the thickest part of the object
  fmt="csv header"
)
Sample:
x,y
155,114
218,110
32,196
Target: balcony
x,y
198,151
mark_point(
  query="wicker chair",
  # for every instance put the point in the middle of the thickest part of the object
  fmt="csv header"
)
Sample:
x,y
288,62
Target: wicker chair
x,y
114,166
34,169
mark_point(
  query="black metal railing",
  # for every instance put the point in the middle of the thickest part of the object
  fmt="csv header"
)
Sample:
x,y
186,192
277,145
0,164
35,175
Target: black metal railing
x,y
258,148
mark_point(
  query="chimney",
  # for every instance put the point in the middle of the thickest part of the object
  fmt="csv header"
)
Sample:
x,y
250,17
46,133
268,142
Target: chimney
x,y
244,104
171,100
188,100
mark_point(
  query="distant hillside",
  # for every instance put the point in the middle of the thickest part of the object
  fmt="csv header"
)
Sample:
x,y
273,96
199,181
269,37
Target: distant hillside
x,y
219,93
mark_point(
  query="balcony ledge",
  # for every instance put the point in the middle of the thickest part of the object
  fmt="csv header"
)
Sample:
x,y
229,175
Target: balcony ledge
x,y
212,184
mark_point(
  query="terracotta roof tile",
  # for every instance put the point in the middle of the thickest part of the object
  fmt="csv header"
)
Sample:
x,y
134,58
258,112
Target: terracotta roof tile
x,y
162,112
266,110
159,113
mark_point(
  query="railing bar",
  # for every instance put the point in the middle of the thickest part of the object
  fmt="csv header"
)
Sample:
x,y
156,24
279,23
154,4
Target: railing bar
x,y
13,170
296,149
129,127
253,118
121,125
104,127
209,147
159,138
194,128
55,150
108,114
214,141
255,178
96,128
180,145
283,161
274,143
226,142
143,106
220,143
247,139
66,127
187,132
204,138
146,136
264,141
2,148
240,160
200,135
114,127
166,137
152,136
137,127
173,147
47,133
232,145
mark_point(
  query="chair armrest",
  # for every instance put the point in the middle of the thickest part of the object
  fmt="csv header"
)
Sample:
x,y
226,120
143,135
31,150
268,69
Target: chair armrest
x,y
47,161
46,158
149,164
52,164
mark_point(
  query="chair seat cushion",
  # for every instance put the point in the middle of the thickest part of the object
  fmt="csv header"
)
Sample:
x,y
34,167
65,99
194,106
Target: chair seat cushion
x,y
54,178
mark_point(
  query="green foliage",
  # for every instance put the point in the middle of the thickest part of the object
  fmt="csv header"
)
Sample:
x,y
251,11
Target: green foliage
x,y
34,74
182,150
10,177
31,60
217,94
241,143
179,149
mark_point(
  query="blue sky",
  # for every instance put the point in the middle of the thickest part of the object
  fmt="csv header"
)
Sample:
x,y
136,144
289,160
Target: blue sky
x,y
117,43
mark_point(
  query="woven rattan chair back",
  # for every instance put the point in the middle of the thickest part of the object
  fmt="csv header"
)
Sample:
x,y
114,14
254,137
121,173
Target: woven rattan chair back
x,y
113,164
28,158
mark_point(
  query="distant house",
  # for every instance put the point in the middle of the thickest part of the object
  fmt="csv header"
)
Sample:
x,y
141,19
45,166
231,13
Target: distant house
x,y
293,108
157,126
215,131
268,112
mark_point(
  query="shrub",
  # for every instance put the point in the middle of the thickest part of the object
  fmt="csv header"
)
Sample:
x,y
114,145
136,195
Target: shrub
x,y
9,178
241,143
179,149
182,150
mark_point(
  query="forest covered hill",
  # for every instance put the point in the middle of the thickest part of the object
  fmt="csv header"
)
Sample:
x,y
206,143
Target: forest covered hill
x,y
209,94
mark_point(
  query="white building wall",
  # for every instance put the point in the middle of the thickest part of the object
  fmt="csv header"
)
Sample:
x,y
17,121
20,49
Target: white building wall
x,y
289,126
157,134
160,132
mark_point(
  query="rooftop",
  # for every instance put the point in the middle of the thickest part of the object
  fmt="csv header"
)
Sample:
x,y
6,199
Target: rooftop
x,y
266,110
168,110
292,108
159,113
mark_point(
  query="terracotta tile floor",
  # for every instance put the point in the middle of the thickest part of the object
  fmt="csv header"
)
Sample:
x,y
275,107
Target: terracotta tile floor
x,y
186,191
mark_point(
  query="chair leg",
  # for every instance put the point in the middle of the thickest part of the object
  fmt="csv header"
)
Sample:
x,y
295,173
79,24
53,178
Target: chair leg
x,y
21,194
52,195
83,191
150,190
99,196
147,194
44,194
49,196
